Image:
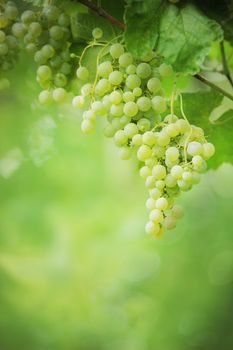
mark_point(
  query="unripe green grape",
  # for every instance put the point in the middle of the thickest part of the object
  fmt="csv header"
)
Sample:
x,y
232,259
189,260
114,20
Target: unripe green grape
x,y
161,203
169,163
154,85
125,153
98,108
86,89
160,184
172,153
64,20
197,162
89,115
137,140
150,204
208,150
65,55
170,118
163,139
152,228
158,151
133,81
130,109
183,185
124,120
18,30
156,216
149,138
128,96
116,97
44,72
143,70
177,171
172,130
117,110
177,211
28,16
130,130
104,69
48,51
116,50
35,29
106,102
170,181
3,49
151,162
169,222
144,152
131,69
65,68
102,87
144,103
144,124
116,77
137,91
31,48
56,32
120,138
78,101
145,171
97,33
187,177
125,59
51,12
82,73
194,148
55,62
59,94
150,182
116,123
165,70
109,131
87,126
155,193
45,97
60,80
159,104
11,12
182,125
149,56
159,172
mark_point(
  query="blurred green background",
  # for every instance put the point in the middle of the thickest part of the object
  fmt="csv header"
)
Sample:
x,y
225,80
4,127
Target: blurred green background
x,y
77,271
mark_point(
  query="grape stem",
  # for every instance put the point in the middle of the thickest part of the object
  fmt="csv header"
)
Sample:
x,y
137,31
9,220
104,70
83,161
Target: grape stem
x,y
224,63
101,12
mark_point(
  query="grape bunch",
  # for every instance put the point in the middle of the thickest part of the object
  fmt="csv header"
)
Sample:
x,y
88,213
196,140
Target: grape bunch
x,y
9,44
129,94
46,35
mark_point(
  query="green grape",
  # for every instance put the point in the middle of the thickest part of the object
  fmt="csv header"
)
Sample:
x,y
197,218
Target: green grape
x,y
177,171
109,131
116,77
56,32
60,80
116,50
44,72
45,97
155,193
149,138
78,101
143,70
177,211
182,125
159,172
116,97
125,153
90,115
64,20
150,181
156,216
165,70
48,51
130,109
172,153
35,29
131,69
82,73
154,85
18,30
3,49
104,69
117,110
51,12
59,94
208,150
128,96
152,228
86,89
150,204
11,12
159,104
97,33
144,172
133,81
194,148
161,203
143,125
116,124
87,126
144,152
3,21
169,222
144,103
98,108
102,87
163,139
56,62
125,59
2,36
120,138
28,17
130,130
137,91
170,181
137,140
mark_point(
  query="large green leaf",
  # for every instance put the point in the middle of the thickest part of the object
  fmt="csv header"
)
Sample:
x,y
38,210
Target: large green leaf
x,y
142,25
181,33
198,107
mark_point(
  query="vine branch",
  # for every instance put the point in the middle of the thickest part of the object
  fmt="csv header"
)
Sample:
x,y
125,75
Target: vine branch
x,y
225,65
101,12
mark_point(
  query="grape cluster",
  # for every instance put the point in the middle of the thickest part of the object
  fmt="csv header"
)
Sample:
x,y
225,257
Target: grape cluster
x,y
172,153
9,44
46,35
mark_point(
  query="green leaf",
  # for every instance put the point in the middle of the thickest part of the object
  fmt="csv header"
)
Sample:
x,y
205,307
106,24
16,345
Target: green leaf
x,y
197,107
185,37
222,12
82,25
142,25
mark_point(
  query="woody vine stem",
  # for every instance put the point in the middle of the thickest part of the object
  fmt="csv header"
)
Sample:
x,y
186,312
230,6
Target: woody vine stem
x,y
101,12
